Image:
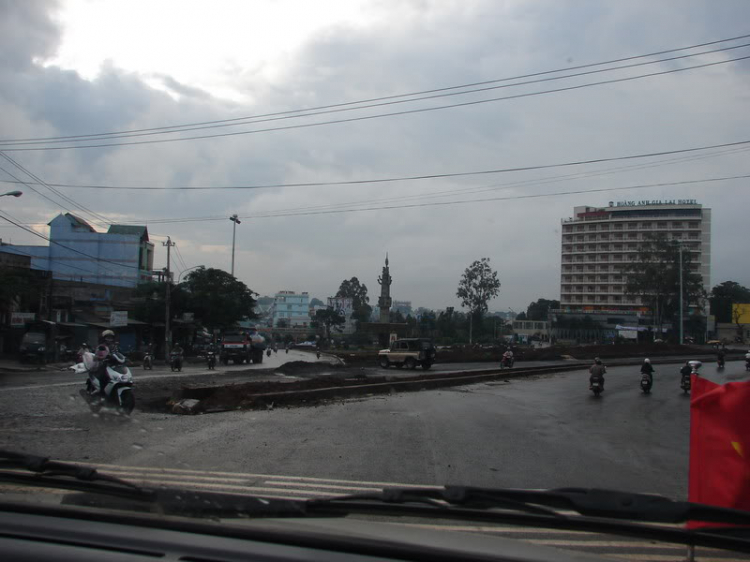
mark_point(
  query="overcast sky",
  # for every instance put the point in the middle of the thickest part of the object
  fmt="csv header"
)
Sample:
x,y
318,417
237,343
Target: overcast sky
x,y
86,67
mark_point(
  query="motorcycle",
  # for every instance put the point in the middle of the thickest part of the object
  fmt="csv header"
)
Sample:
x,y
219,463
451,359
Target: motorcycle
x,y
148,361
507,362
118,381
268,352
317,354
685,383
720,363
211,359
686,377
597,386
175,361
647,381
747,364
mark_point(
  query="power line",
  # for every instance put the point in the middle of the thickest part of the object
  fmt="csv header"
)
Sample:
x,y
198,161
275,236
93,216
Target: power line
x,y
179,257
454,202
380,115
79,206
425,176
512,197
314,113
104,260
485,188
39,181
15,250
171,128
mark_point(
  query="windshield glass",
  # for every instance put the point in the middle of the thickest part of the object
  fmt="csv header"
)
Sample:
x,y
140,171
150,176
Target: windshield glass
x,y
234,339
427,243
34,337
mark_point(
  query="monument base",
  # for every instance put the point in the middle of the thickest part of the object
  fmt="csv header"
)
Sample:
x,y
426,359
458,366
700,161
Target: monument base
x,y
384,331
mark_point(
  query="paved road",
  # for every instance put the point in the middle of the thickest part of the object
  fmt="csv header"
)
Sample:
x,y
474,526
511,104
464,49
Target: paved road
x,y
546,431
13,380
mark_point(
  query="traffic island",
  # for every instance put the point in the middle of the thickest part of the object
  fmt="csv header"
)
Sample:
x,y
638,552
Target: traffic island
x,y
322,389
316,384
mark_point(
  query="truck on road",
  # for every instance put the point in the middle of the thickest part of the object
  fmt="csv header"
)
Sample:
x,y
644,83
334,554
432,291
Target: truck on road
x,y
242,346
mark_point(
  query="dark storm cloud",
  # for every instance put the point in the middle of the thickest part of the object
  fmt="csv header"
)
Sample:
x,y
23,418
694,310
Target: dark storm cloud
x,y
26,32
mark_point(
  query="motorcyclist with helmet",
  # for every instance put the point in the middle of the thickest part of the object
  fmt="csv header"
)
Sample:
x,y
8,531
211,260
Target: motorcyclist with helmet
x,y
597,371
647,371
647,368
107,346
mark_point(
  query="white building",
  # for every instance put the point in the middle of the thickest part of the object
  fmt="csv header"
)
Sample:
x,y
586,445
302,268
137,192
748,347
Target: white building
x,y
291,308
598,242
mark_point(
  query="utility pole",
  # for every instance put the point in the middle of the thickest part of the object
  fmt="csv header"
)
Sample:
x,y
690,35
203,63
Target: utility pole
x,y
236,221
168,277
681,291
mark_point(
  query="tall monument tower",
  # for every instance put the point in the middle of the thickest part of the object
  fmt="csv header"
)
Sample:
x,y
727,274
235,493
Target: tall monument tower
x,y
385,301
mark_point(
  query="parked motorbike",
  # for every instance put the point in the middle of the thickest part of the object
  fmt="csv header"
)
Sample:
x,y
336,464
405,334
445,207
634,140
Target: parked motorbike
x,y
647,381
116,378
597,386
83,349
175,361
211,359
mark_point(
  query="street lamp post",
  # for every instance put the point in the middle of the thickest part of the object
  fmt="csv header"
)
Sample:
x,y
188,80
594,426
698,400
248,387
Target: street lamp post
x,y
12,194
681,292
184,270
236,221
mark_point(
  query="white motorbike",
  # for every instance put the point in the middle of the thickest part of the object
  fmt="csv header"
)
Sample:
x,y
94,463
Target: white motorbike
x,y
118,381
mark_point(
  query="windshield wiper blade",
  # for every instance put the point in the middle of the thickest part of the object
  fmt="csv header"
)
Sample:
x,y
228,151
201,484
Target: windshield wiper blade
x,y
590,502
172,501
43,467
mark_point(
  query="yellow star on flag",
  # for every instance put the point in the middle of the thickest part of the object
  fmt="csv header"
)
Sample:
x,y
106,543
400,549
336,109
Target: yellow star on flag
x,y
738,448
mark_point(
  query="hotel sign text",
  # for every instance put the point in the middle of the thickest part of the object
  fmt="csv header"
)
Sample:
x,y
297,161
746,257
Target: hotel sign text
x,y
653,202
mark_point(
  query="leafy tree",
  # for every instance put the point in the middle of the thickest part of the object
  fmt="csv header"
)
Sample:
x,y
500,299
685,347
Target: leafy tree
x,y
353,289
655,276
329,319
281,323
151,302
521,316
427,322
445,323
397,317
723,296
539,310
217,299
478,285
316,302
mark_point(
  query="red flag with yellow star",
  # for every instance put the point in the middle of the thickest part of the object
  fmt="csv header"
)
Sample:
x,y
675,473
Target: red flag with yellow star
x,y
719,445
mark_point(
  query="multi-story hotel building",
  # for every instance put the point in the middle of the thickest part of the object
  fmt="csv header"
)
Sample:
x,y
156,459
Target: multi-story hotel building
x,y
598,243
